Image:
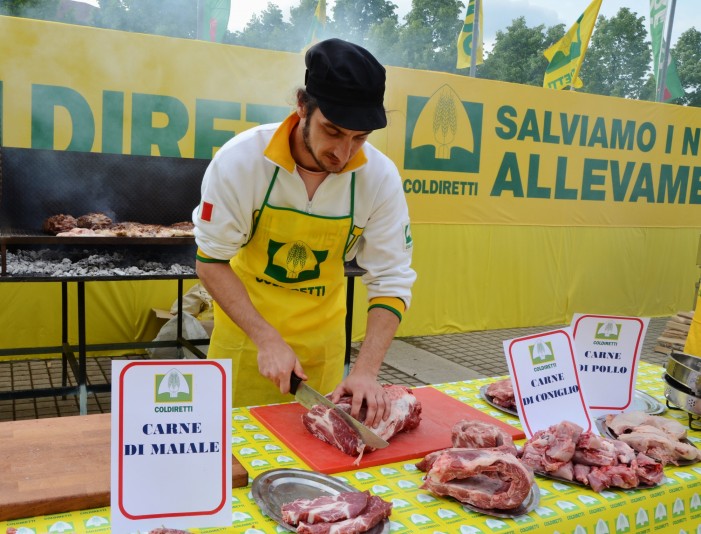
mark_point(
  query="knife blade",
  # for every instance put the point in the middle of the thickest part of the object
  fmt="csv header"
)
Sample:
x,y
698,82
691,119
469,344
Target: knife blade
x,y
309,397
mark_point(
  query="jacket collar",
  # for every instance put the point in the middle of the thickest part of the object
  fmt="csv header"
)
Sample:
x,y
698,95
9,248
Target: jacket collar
x,y
278,150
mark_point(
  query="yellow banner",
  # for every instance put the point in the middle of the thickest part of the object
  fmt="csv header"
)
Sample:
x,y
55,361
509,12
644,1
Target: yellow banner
x,y
470,151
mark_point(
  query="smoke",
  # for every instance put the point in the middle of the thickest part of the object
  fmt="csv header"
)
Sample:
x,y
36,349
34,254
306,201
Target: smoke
x,y
148,189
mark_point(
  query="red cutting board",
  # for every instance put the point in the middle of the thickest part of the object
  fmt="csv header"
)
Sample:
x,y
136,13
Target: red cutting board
x,y
439,412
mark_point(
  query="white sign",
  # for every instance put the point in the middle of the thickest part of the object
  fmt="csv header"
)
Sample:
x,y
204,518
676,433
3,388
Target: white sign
x,y
544,377
171,444
608,352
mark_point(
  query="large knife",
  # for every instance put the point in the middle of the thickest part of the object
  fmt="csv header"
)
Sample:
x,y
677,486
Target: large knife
x,y
309,397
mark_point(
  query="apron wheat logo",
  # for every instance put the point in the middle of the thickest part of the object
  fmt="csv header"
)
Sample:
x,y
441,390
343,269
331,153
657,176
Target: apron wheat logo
x,y
294,262
173,387
443,133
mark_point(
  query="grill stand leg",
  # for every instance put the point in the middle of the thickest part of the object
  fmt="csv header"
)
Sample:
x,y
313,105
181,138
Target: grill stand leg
x,y
64,335
82,357
350,290
179,333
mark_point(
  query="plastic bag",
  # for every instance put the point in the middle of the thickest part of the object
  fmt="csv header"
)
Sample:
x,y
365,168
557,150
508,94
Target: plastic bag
x,y
195,302
191,329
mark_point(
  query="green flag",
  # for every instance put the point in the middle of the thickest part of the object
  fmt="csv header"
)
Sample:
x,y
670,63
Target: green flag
x,y
213,18
672,86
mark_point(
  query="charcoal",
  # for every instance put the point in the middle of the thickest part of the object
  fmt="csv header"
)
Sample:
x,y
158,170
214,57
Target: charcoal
x,y
63,263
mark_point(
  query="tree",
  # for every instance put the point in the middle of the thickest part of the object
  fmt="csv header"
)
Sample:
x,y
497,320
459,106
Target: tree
x,y
302,21
31,9
354,20
267,30
517,55
383,42
174,18
428,40
687,54
617,62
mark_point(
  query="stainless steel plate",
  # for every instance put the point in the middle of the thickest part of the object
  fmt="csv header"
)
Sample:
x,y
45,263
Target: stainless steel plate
x,y
647,403
490,401
528,505
641,401
274,488
578,483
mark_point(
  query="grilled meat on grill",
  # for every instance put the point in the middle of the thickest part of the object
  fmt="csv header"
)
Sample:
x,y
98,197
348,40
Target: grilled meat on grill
x,y
184,226
94,221
83,232
59,223
135,229
99,224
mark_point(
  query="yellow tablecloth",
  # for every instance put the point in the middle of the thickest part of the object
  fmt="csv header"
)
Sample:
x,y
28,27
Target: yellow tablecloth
x,y
674,507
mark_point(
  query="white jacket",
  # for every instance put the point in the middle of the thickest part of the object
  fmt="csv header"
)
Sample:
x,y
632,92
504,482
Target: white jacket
x,y
237,180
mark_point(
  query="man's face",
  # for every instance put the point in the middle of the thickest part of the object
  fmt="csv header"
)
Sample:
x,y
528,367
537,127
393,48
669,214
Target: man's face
x,y
330,146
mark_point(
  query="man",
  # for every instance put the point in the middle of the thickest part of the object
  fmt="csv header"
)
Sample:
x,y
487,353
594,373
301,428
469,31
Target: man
x,y
283,206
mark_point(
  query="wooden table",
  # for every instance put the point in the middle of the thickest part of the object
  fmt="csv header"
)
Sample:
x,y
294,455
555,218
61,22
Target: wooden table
x,y
60,464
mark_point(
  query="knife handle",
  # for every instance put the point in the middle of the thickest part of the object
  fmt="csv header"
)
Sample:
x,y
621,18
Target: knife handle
x,y
295,381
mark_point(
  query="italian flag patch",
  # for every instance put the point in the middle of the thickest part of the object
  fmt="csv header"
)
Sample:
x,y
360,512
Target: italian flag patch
x,y
206,211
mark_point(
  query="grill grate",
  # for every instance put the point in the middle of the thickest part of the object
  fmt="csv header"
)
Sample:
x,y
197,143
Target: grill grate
x,y
36,184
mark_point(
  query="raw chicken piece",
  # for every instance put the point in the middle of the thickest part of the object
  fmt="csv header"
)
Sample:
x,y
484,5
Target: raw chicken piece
x,y
628,421
659,445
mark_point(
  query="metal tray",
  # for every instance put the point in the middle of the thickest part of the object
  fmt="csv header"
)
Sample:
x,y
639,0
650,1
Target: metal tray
x,y
641,401
272,489
490,401
578,483
531,503
644,402
686,370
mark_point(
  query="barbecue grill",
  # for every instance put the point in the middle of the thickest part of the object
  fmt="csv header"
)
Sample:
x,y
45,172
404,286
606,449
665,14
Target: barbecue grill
x,y
36,184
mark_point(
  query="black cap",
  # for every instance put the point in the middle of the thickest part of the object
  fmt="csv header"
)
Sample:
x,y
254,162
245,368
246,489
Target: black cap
x,y
348,83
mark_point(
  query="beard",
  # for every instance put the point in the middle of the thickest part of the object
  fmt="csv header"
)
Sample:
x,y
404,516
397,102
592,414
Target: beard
x,y
308,145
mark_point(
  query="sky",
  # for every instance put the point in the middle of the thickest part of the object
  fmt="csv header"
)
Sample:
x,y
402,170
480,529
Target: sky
x,y
499,14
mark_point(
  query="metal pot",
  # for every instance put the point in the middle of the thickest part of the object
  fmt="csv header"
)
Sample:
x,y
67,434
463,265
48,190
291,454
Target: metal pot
x,y
686,370
681,397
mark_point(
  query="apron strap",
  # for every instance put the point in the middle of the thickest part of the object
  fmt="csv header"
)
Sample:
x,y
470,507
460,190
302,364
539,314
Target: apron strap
x,y
265,202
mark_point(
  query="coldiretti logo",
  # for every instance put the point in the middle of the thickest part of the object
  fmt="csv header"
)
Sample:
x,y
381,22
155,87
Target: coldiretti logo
x,y
174,387
443,133
541,352
293,262
608,331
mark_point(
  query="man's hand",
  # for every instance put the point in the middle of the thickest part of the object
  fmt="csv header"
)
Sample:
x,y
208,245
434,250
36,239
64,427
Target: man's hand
x,y
277,361
364,388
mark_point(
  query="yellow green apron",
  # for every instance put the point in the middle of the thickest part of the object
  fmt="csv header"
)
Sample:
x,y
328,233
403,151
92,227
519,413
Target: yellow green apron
x,y
293,269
